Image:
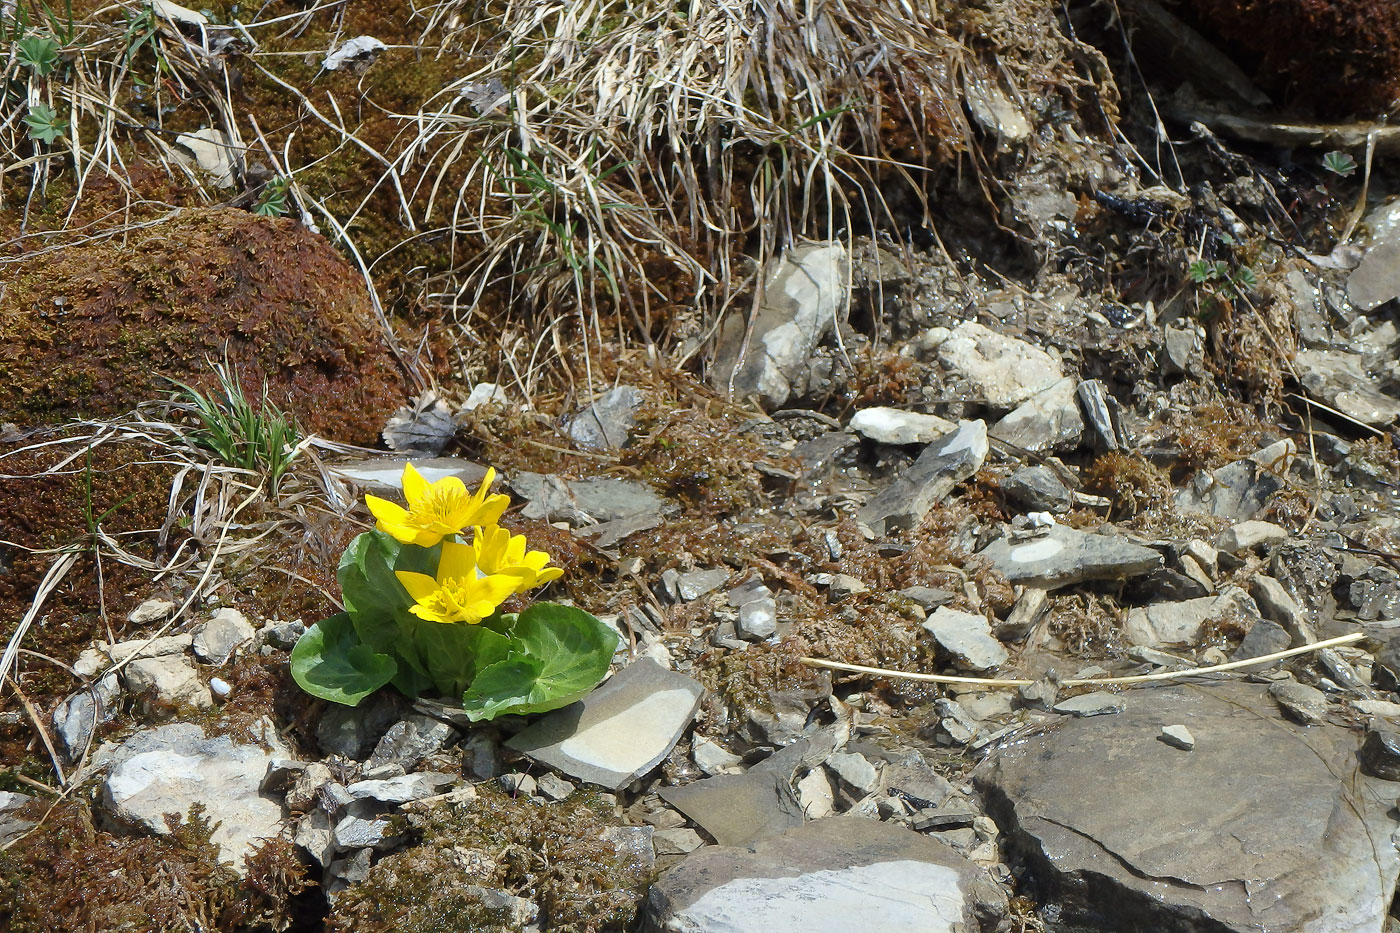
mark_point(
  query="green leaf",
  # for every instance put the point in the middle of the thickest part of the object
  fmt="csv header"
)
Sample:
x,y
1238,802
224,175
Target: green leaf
x,y
44,124
1339,163
558,655
452,653
373,596
330,662
37,53
1200,271
1245,278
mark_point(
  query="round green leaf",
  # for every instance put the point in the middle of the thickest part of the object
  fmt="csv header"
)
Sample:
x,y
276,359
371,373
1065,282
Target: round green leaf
x,y
330,662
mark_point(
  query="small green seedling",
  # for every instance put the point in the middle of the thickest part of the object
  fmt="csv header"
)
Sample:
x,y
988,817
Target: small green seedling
x,y
44,124
37,53
1339,163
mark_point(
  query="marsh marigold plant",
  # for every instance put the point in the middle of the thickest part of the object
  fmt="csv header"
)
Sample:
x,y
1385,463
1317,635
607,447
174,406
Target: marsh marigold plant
x,y
423,593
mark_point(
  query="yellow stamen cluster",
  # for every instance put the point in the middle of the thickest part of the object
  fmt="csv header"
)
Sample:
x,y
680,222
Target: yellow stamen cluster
x,y
472,580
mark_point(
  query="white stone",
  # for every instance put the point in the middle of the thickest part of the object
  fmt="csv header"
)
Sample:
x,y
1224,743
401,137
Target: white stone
x,y
894,426
152,610
612,743
966,636
1049,419
1003,370
815,794
171,680
358,49
1178,736
712,758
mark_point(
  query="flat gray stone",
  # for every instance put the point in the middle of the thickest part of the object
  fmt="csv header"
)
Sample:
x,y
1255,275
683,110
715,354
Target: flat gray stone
x,y
737,809
805,292
76,717
1049,420
607,423
618,732
1180,623
967,637
93,660
1266,825
403,788
216,639
855,771
895,426
1038,488
1064,556
1377,279
411,740
1341,379
14,808
1304,705
758,619
424,426
1263,638
940,467
587,501
385,474
1178,736
1098,703
1252,534
831,876
169,769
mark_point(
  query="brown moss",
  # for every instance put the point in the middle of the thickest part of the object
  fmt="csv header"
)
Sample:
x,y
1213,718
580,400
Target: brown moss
x,y
69,875
89,330
1335,57
1086,624
1129,482
552,853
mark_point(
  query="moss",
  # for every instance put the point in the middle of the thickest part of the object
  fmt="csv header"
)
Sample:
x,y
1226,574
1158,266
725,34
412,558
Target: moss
x,y
82,328
1129,482
552,853
70,875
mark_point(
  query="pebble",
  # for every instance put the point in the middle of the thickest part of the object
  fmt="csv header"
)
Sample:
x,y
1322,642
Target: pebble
x,y
1178,736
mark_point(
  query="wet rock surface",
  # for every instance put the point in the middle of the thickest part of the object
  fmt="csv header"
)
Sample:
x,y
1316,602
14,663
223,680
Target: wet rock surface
x,y
1277,840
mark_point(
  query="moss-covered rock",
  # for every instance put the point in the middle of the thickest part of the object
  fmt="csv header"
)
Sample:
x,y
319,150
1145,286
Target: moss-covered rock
x,y
87,331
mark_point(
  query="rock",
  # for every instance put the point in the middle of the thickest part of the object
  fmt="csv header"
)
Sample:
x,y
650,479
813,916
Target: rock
x,y
855,772
737,809
171,768
353,54
1380,754
1000,371
586,501
758,619
280,774
313,833
76,718
486,395
1178,736
1049,420
1183,346
1276,605
362,828
1065,555
302,795
956,817
816,795
93,660
217,639
426,426
517,784
634,844
941,466
967,637
266,294
410,740
403,788
1377,279
1172,585
894,426
690,586
152,610
554,787
1246,536
1303,704
805,292
13,810
711,757
347,871
1240,490
353,731
1100,415
607,423
170,681
1098,703
283,635
1260,827
675,841
618,732
385,474
955,726
926,597
833,875
1180,623
1263,638
1038,488
917,784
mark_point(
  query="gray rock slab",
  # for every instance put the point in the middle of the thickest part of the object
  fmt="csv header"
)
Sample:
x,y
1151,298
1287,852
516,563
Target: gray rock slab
x,y
1098,703
403,788
736,809
14,810
941,466
1038,488
618,732
607,423
1004,371
1065,555
1240,490
1340,379
424,426
1049,420
967,637
1264,637
385,474
171,768
410,740
76,717
1377,279
896,426
805,292
586,501
830,876
216,639
1179,623
1265,825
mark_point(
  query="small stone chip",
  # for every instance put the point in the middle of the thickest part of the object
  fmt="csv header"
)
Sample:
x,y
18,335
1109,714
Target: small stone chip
x,y
1178,736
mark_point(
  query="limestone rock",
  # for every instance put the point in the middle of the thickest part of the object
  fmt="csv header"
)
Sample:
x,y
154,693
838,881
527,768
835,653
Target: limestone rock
x,y
1179,623
895,426
1003,371
607,423
942,465
1049,420
967,637
217,639
1065,555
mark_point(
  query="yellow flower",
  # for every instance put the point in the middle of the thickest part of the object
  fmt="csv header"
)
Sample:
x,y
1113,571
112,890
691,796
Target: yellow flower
x,y
436,510
460,592
500,552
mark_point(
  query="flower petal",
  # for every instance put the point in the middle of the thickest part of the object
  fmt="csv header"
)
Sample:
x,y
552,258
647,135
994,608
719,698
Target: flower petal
x,y
418,585
415,487
458,561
